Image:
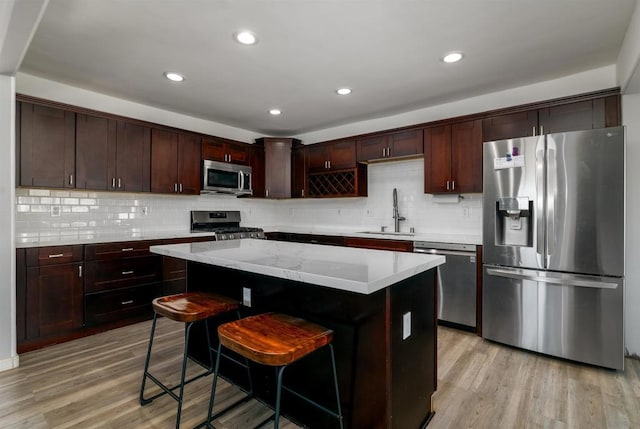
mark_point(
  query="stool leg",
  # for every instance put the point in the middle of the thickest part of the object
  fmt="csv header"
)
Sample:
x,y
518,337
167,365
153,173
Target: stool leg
x,y
276,422
335,383
211,363
144,401
184,372
213,387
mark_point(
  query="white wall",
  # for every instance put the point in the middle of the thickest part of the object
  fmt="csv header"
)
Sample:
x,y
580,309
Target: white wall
x,y
631,119
8,357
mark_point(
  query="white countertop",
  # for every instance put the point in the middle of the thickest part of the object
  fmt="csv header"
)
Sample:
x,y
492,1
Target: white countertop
x,y
350,269
358,232
27,242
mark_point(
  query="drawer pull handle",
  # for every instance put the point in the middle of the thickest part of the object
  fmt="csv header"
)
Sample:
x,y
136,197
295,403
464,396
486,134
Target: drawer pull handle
x,y
127,249
127,302
57,255
124,273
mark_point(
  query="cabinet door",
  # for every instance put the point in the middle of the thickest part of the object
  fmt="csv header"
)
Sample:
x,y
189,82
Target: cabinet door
x,y
238,153
189,164
214,150
437,159
298,173
54,300
466,156
317,156
406,143
373,148
47,147
510,126
133,158
164,161
258,167
570,117
95,149
343,155
277,155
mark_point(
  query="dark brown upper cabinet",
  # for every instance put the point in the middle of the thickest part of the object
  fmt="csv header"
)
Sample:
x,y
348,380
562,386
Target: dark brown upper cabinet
x,y
95,145
403,144
298,172
331,156
257,163
47,146
453,158
131,170
175,162
579,115
219,149
279,166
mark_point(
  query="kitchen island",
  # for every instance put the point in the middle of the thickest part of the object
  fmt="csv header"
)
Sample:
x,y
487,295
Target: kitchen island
x,y
380,304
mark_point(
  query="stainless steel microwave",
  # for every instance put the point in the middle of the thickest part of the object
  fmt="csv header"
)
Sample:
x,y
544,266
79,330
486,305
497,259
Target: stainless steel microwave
x,y
225,178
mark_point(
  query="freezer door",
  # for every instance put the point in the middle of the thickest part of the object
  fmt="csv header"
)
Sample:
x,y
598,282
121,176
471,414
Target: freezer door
x,y
509,181
574,317
585,202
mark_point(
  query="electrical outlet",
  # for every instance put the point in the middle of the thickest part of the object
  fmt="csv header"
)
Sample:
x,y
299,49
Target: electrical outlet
x,y
465,212
246,297
406,325
370,213
145,210
55,211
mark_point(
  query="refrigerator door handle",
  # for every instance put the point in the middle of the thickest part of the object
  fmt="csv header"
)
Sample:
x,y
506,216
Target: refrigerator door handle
x,y
552,184
539,202
550,278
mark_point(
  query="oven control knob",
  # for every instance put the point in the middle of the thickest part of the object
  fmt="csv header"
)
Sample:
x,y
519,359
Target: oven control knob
x,y
252,235
231,236
223,237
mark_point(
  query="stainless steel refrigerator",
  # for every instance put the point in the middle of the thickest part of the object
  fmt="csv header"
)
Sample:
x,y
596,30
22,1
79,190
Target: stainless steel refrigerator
x,y
553,244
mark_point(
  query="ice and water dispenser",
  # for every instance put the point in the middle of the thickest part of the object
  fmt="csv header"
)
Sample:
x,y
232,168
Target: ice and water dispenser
x,y
514,221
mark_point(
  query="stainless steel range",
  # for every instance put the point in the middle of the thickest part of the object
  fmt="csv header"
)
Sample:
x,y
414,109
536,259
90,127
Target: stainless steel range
x,y
225,225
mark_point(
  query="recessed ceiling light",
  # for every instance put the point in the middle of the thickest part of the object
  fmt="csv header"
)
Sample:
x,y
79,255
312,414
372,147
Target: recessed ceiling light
x,y
245,37
275,112
452,57
173,76
343,91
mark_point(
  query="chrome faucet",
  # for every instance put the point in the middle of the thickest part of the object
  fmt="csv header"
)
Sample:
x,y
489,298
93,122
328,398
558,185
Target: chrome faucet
x,y
396,214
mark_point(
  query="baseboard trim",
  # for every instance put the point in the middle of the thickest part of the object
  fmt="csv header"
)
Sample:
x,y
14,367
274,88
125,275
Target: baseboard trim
x,y
9,363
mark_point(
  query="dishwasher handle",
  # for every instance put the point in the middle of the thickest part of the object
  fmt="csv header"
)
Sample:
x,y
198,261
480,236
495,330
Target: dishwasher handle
x,y
444,252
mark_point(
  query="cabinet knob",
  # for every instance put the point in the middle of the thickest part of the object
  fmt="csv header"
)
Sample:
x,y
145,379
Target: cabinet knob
x,y
126,273
57,255
127,249
533,133
453,185
113,182
127,302
541,129
175,187
181,188
447,185
80,271
119,182
71,179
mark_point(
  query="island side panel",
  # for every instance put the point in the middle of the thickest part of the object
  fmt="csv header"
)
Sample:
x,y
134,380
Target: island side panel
x,y
413,350
360,342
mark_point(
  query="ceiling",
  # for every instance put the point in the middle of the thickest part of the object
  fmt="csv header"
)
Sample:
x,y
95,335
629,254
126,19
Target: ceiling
x,y
388,51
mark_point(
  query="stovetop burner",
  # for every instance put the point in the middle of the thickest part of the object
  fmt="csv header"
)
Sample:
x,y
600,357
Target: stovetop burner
x,y
225,225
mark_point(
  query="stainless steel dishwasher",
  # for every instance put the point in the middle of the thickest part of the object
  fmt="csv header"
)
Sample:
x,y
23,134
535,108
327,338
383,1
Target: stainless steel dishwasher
x,y
456,282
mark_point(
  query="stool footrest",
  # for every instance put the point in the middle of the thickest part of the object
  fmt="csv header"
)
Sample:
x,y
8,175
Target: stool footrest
x,y
207,423
312,402
169,390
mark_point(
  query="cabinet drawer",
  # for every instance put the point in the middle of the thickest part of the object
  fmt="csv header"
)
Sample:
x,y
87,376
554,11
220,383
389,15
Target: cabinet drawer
x,y
52,255
173,268
133,302
120,273
118,250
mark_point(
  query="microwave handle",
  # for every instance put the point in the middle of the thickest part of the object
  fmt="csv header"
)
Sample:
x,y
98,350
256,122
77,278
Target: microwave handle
x,y
241,180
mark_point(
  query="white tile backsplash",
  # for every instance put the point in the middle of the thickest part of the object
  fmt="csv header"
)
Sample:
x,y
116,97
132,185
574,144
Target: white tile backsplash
x,y
85,213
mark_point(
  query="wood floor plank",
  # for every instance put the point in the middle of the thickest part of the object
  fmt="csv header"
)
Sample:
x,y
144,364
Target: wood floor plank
x,y
93,382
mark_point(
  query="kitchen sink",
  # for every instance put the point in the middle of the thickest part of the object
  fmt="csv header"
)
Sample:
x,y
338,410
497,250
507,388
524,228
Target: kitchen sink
x,y
408,234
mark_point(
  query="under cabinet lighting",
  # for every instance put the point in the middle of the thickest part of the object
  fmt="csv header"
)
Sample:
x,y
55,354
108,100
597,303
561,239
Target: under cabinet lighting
x,y
173,76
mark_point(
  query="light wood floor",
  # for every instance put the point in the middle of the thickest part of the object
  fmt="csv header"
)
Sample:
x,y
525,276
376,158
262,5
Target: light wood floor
x,y
93,383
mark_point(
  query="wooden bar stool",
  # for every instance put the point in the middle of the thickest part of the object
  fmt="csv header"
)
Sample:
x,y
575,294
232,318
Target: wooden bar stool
x,y
188,308
276,340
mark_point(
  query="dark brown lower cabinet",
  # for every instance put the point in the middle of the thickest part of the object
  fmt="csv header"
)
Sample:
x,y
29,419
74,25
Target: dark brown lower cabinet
x,y
50,293
174,275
